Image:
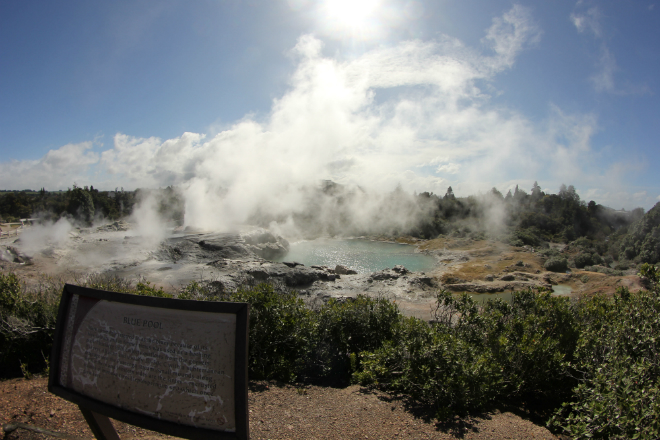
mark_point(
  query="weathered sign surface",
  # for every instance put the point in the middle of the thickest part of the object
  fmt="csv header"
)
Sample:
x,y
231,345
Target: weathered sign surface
x,y
172,363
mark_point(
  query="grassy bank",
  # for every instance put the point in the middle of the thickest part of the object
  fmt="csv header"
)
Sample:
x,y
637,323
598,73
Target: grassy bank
x,y
589,367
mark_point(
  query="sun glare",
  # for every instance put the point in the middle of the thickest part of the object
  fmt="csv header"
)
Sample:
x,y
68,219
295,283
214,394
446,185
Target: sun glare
x,y
351,13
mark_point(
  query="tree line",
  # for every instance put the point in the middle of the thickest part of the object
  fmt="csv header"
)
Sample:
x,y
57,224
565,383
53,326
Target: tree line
x,y
603,235
86,204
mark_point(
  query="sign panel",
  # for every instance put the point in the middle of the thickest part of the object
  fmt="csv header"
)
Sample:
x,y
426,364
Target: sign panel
x,y
174,366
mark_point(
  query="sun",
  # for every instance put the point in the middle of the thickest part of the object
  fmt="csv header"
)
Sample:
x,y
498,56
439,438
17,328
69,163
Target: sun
x,y
351,13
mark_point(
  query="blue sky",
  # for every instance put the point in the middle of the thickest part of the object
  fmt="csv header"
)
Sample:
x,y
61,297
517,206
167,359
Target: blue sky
x,y
379,93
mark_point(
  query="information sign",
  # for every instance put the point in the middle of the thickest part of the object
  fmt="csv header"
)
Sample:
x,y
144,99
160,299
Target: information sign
x,y
174,366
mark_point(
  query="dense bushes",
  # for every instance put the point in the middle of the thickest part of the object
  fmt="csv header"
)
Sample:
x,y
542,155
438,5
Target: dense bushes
x,y
642,242
290,341
617,362
591,366
472,357
27,322
556,264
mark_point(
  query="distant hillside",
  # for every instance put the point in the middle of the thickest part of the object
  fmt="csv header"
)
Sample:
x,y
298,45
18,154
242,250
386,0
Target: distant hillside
x,y
642,242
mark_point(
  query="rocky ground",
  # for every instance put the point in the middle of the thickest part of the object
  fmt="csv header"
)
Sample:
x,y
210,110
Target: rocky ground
x,y
228,260
278,411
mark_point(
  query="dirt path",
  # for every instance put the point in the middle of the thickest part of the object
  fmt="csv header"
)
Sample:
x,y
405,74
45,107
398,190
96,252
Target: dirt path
x,y
277,412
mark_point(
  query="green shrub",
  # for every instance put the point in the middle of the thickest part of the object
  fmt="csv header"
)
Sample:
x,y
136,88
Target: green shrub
x,y
583,259
530,340
433,367
550,252
529,236
146,289
27,322
583,243
346,328
596,259
605,270
617,363
472,357
289,341
281,332
556,264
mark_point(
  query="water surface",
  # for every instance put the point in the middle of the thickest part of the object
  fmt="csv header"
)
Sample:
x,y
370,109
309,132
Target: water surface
x,y
363,256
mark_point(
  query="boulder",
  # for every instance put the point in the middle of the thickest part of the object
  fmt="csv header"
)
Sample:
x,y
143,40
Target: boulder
x,y
427,281
13,255
269,251
266,244
292,276
223,249
387,274
343,270
400,269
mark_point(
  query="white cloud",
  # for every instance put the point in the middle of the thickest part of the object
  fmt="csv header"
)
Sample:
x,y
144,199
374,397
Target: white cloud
x,y
618,198
603,80
451,168
606,65
510,33
57,169
588,21
435,128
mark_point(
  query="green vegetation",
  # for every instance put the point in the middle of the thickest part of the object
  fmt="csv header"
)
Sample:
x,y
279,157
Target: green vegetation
x,y
556,264
643,240
289,340
589,366
617,365
27,322
472,357
86,204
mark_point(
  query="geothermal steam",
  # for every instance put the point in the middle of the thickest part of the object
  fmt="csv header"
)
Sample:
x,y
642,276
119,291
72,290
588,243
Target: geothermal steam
x,y
412,115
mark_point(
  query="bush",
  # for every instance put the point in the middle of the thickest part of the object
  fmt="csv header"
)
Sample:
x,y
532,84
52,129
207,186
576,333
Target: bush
x,y
605,270
281,332
432,367
583,243
346,328
556,264
27,323
472,357
526,237
597,259
618,367
583,259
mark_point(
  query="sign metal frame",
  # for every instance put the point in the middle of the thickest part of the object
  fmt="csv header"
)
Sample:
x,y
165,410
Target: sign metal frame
x,y
95,408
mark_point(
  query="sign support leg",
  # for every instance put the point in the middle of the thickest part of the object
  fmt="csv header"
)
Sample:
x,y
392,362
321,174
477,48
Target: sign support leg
x,y
100,425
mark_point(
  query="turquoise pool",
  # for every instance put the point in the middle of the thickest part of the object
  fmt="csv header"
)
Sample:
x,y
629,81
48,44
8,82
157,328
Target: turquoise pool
x,y
363,256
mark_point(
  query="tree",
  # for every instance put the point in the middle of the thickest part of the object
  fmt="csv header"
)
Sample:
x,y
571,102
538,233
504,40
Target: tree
x,y
568,193
496,194
449,194
81,204
592,208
